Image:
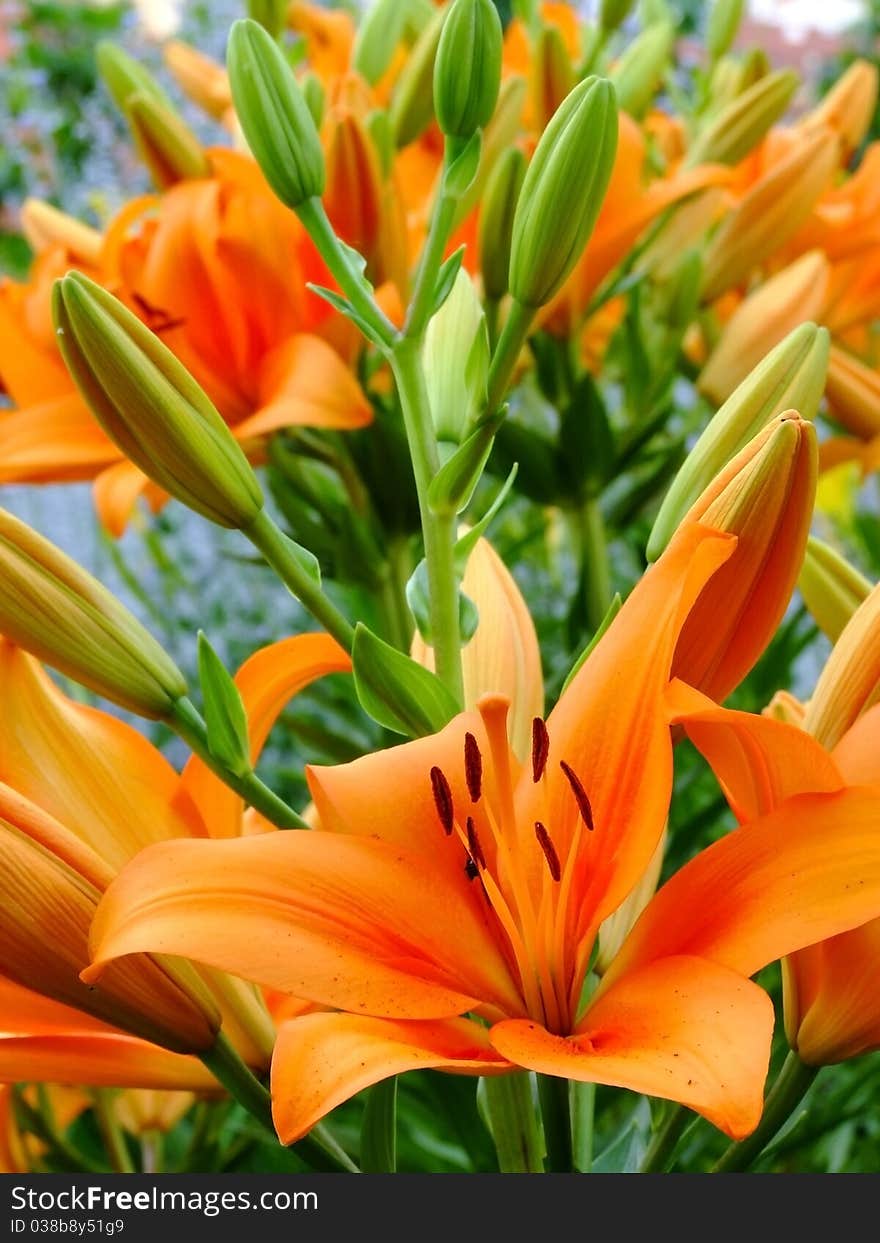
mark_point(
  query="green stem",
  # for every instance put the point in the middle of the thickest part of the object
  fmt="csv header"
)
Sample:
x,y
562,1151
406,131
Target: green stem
x,y
787,1092
41,1122
583,1105
513,1123
341,266
512,339
594,562
419,313
556,1115
318,1149
379,1129
188,725
111,1132
665,1141
279,552
438,531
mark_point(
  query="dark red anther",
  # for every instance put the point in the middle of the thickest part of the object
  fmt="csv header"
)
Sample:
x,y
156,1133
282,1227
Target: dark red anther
x,y
476,850
473,767
540,748
549,850
579,793
442,799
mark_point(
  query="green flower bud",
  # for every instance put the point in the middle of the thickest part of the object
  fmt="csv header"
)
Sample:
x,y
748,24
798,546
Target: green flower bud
x,y
791,377
412,102
274,115
150,406
384,25
270,14
496,221
737,128
455,360
613,13
563,191
124,76
832,589
724,21
639,72
52,608
467,71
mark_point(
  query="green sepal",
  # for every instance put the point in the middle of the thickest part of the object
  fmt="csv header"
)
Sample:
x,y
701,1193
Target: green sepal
x,y
225,717
422,704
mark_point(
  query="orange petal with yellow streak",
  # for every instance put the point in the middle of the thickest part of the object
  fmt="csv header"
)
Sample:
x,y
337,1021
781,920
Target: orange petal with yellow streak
x,y
267,681
807,871
681,1028
321,1060
348,922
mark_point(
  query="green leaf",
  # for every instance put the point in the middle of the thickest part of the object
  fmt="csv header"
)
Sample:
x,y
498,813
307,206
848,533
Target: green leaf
x,y
419,601
345,308
453,486
449,269
225,716
466,543
378,1152
586,441
613,609
397,692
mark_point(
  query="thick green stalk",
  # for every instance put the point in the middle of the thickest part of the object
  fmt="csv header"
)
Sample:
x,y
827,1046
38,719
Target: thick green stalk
x,y
111,1132
665,1141
438,531
513,1123
512,339
792,1084
556,1115
583,1105
188,725
594,562
341,265
318,1149
273,544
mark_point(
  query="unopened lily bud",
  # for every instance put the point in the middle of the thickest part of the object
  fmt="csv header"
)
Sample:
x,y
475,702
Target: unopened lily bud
x,y
201,79
354,193
788,299
496,221
412,102
45,226
150,406
379,32
791,377
784,707
274,117
563,191
765,498
51,607
455,359
639,72
270,14
166,145
315,96
853,392
849,107
124,76
724,21
551,75
850,682
737,129
770,213
832,589
467,71
613,13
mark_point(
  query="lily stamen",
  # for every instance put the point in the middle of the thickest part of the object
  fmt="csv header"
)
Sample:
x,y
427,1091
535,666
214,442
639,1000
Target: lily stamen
x,y
580,794
473,767
540,748
546,844
443,800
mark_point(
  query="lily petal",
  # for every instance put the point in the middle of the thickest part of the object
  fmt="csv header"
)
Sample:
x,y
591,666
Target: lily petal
x,y
759,761
321,1060
303,381
54,440
857,755
266,681
348,922
681,1028
807,871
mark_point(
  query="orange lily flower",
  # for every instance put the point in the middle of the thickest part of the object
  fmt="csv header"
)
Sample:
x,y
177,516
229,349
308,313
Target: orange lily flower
x,y
200,265
81,793
780,763
448,880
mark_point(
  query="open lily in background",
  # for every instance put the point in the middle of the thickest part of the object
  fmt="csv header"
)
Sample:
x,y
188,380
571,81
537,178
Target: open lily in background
x,y
448,906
